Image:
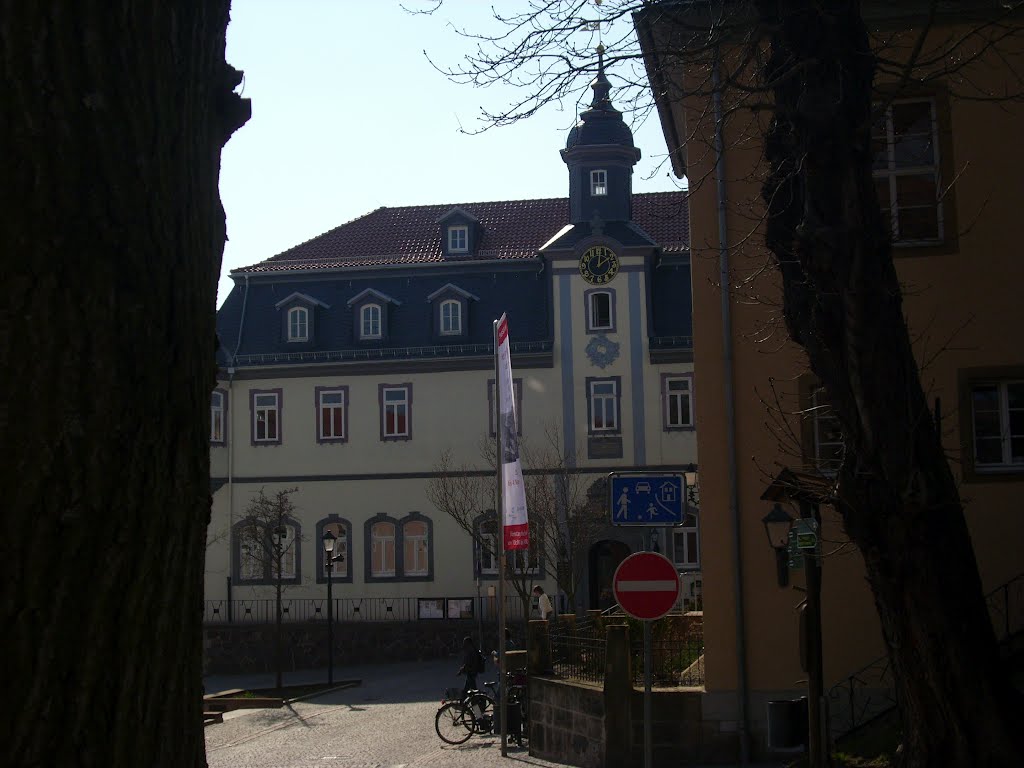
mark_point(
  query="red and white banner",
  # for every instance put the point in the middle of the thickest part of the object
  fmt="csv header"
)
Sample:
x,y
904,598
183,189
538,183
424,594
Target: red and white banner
x,y
513,494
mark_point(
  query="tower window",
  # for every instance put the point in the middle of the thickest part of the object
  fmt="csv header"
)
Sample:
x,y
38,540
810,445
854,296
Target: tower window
x,y
598,183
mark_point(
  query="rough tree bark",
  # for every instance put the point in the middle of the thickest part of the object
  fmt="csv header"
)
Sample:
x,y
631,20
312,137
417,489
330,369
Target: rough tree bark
x,y
111,234
842,304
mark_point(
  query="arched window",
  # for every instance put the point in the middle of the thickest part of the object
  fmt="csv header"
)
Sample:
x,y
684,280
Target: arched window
x,y
382,550
487,546
451,317
259,547
369,325
298,324
416,548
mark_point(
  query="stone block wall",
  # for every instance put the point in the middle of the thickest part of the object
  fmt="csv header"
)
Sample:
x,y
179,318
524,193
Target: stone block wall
x,y
567,722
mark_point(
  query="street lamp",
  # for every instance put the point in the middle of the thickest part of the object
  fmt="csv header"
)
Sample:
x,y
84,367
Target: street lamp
x,y
777,524
329,557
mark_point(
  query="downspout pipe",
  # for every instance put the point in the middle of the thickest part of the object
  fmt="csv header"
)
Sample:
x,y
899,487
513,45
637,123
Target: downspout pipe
x,y
730,417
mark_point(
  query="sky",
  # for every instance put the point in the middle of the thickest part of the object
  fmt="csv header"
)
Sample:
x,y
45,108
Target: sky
x,y
348,115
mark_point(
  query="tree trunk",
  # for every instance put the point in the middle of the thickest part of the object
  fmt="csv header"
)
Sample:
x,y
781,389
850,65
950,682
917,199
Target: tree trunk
x,y
112,232
842,304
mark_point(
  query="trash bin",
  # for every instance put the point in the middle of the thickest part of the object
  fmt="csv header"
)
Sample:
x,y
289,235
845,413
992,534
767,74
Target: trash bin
x,y
787,723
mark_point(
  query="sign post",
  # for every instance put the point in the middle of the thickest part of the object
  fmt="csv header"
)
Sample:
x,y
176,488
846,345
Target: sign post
x,y
647,498
646,586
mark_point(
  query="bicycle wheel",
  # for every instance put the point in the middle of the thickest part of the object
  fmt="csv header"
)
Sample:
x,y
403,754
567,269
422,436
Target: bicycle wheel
x,y
454,723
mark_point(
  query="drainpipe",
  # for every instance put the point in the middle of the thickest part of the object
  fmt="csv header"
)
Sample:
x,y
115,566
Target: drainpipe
x,y
231,444
730,416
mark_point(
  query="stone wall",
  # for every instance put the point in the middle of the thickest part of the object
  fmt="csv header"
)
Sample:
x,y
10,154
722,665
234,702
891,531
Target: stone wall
x,y
567,722
249,648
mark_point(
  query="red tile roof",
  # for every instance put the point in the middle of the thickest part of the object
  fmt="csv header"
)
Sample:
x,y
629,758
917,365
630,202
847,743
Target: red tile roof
x,y
512,229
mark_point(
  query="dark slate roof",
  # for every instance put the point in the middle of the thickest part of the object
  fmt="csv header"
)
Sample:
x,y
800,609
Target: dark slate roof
x,y
511,229
522,294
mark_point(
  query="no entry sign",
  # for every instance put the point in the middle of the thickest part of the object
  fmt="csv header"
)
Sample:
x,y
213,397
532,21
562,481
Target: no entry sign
x,y
646,585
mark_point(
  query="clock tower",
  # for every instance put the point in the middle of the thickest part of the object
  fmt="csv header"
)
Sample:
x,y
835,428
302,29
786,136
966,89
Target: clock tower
x,y
600,155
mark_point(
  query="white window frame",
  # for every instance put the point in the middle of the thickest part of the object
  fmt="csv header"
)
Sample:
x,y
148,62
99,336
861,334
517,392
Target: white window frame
x,y
1006,436
322,406
452,324
892,173
381,542
413,566
458,239
487,547
370,326
264,410
821,417
611,400
217,417
288,554
592,319
298,324
681,552
251,555
599,183
678,396
396,405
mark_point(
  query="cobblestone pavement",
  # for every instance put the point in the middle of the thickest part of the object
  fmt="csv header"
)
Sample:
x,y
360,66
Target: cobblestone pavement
x,y
387,722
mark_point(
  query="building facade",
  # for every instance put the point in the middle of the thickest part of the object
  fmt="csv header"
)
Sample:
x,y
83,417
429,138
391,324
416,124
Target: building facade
x,y
352,363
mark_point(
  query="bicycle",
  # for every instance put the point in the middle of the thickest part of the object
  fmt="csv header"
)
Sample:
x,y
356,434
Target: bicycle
x,y
461,715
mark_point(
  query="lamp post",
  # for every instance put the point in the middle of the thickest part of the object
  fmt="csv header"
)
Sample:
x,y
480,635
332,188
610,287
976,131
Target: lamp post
x,y
329,557
777,524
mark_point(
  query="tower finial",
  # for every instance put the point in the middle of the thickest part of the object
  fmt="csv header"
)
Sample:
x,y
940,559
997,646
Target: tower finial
x,y
601,86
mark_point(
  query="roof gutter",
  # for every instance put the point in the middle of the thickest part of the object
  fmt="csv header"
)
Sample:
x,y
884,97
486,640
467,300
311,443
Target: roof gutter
x,y
376,267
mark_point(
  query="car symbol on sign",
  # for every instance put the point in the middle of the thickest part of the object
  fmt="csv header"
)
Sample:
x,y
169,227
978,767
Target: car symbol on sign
x,y
643,487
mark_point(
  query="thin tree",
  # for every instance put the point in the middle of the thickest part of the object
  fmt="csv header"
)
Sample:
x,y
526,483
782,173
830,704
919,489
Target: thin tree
x,y
269,539
111,234
798,77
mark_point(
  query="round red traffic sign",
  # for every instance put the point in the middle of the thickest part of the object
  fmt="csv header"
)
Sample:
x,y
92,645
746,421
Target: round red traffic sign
x,y
646,585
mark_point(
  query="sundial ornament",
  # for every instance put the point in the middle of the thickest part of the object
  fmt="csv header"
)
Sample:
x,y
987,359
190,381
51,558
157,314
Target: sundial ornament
x,y
599,265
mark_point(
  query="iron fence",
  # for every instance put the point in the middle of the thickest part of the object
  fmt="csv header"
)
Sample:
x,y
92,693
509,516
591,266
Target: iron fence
x,y
674,662
355,609
578,650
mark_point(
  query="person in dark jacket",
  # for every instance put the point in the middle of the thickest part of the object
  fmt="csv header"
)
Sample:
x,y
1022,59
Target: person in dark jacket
x,y
471,665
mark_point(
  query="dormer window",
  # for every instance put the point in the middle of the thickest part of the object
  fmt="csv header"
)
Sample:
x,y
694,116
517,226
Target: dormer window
x,y
458,239
451,318
450,311
370,321
598,183
369,325
298,317
298,324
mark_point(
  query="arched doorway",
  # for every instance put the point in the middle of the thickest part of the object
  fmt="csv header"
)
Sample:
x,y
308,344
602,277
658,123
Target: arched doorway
x,y
605,557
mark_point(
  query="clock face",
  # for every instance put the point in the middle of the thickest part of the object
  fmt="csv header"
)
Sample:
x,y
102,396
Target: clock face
x,y
599,265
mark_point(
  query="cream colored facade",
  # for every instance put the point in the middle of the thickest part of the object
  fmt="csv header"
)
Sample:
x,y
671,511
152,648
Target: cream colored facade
x,y
366,476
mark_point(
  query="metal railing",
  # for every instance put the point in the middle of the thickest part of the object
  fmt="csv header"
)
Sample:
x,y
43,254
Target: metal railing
x,y
355,609
578,650
675,662
388,353
869,692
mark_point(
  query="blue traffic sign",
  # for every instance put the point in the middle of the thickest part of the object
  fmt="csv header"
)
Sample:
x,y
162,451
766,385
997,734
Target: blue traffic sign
x,y
640,498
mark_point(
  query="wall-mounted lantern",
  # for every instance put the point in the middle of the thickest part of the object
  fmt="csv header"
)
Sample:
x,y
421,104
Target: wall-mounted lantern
x,y
777,524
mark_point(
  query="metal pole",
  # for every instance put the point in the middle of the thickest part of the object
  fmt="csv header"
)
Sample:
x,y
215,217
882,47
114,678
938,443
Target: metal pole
x,y
330,621
648,663
499,509
815,676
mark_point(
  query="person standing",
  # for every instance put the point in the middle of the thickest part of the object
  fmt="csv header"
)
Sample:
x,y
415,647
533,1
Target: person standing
x,y
472,664
543,602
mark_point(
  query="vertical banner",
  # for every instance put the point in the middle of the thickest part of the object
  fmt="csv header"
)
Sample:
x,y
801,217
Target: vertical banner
x,y
513,493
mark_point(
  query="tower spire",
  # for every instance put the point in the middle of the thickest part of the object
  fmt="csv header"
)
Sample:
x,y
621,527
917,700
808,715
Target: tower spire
x,y
601,86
